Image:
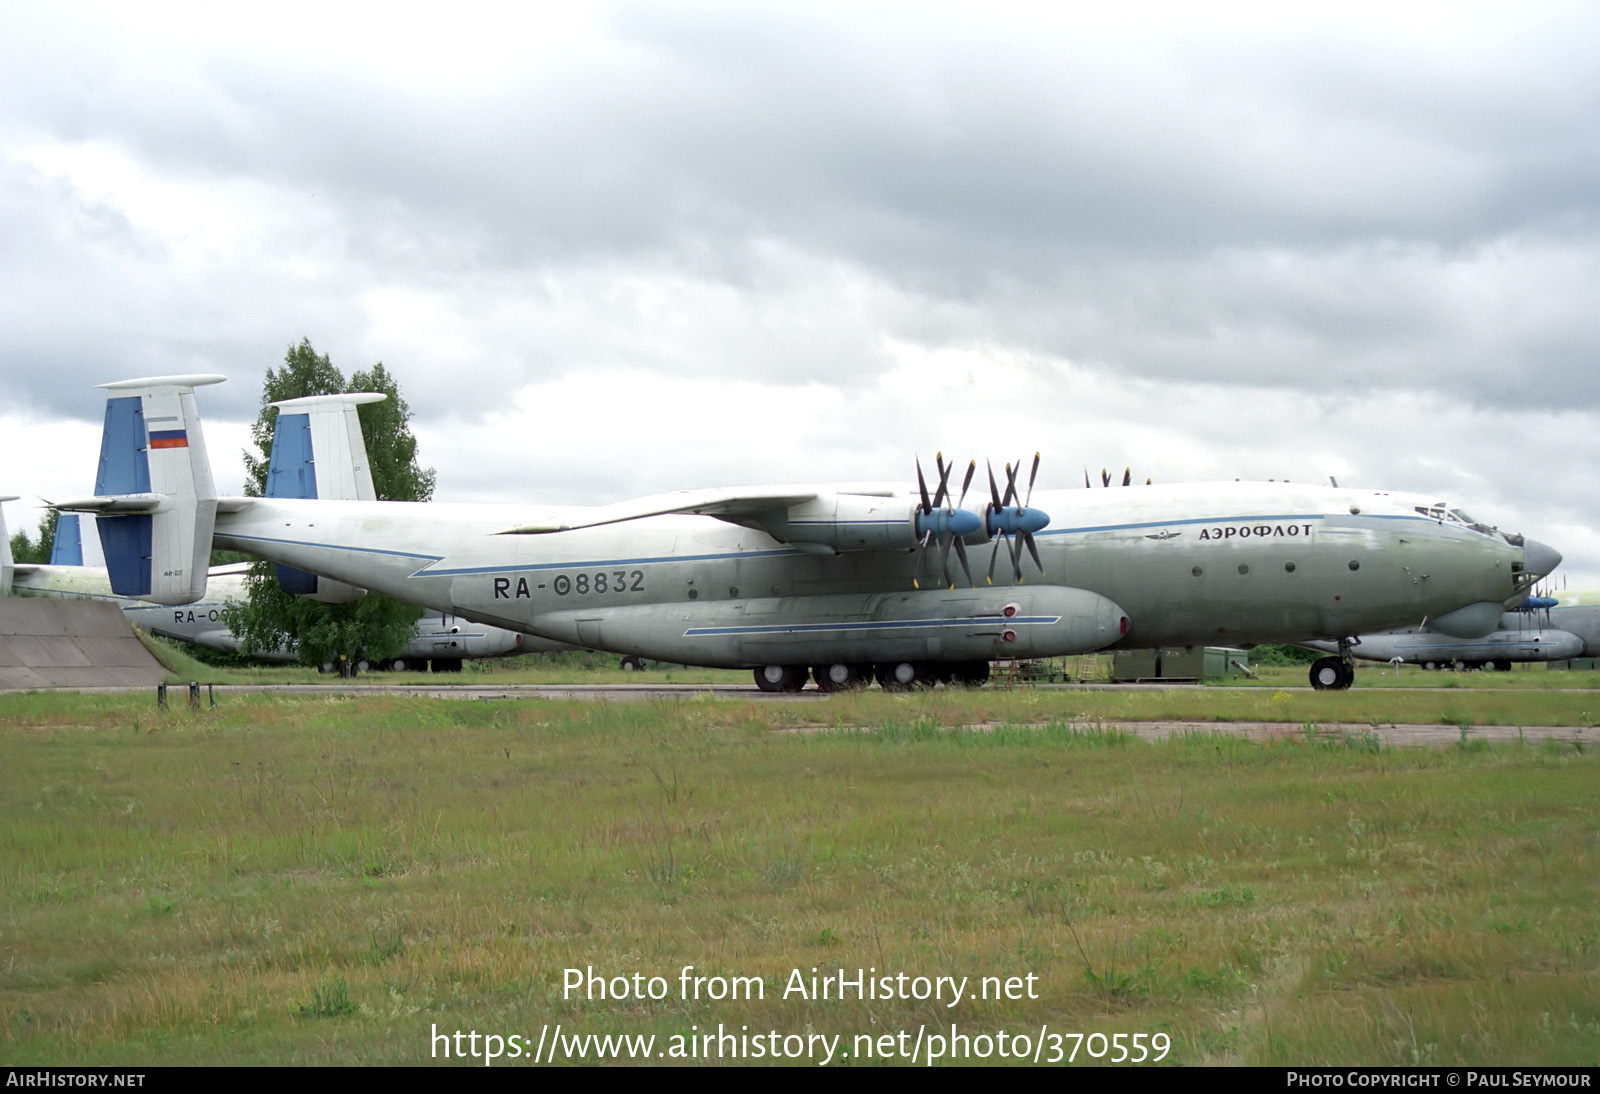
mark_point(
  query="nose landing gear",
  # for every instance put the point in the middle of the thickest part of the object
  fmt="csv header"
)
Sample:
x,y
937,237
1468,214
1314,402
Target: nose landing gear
x,y
1335,673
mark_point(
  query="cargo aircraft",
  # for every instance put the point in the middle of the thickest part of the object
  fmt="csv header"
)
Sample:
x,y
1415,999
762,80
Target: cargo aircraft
x,y
839,583
1542,628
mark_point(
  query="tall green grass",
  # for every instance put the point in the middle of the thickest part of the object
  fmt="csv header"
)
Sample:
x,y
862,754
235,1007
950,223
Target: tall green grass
x,y
323,880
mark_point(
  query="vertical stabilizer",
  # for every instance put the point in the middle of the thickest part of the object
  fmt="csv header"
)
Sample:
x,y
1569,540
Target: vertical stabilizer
x,y
157,533
5,548
77,542
318,452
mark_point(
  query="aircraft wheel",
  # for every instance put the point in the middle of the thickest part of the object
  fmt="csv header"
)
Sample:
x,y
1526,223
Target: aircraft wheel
x,y
902,675
780,678
1331,674
399,664
1430,666
840,676
970,674
632,664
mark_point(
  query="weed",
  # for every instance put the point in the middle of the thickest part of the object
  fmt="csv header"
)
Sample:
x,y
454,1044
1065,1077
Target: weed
x,y
328,1000
381,950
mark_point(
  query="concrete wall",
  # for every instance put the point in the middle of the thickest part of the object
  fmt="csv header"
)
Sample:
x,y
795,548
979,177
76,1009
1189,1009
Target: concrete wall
x,y
70,643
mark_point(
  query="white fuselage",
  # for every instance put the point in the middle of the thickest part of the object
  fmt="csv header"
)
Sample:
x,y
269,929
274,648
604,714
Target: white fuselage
x,y
1235,563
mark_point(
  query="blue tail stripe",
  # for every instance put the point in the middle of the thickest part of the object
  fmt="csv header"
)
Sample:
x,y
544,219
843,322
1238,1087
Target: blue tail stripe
x,y
292,471
124,463
126,541
68,547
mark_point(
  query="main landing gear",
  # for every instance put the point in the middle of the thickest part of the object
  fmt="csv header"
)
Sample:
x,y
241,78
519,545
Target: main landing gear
x,y
890,675
1334,673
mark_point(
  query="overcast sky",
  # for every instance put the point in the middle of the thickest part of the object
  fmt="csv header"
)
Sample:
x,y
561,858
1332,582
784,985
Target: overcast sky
x,y
619,248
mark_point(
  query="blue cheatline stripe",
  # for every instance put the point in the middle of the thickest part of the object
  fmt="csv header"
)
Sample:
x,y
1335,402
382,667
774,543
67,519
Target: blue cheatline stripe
x,y
292,468
1289,517
126,542
124,463
570,564
67,550
601,564
1466,645
884,625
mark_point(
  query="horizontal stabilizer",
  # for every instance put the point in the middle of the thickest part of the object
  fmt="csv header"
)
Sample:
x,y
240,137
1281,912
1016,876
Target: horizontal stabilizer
x,y
127,503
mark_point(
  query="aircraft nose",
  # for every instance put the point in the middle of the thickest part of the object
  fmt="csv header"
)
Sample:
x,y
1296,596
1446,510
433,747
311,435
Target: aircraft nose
x,y
1538,558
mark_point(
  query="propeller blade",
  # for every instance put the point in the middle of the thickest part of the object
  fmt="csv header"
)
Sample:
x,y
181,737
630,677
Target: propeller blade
x,y
972,469
922,488
993,553
994,491
944,480
961,553
1105,477
1127,476
1087,485
1032,475
1027,540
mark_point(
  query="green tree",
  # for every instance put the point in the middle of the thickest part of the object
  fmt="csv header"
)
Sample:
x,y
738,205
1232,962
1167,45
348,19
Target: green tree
x,y
374,626
36,550
26,549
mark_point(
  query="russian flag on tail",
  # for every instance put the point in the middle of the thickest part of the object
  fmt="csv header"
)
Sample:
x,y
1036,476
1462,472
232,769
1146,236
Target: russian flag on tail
x,y
169,438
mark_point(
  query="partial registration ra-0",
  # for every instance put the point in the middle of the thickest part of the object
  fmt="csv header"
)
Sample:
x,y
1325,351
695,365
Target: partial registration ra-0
x,y
841,583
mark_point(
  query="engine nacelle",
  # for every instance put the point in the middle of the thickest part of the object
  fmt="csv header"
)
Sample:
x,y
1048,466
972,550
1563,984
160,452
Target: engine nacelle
x,y
848,522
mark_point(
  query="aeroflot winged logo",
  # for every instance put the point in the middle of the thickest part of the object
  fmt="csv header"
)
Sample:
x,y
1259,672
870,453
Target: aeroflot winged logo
x,y
1165,535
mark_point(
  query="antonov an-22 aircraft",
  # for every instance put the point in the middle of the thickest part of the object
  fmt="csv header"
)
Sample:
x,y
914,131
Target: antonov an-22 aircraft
x,y
841,583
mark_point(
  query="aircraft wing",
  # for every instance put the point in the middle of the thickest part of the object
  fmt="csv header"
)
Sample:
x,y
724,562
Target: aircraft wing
x,y
744,506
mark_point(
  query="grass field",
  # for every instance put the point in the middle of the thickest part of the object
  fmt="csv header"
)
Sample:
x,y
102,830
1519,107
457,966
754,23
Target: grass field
x,y
332,880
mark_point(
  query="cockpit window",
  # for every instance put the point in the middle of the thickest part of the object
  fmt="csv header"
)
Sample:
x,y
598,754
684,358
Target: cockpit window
x,y
1443,513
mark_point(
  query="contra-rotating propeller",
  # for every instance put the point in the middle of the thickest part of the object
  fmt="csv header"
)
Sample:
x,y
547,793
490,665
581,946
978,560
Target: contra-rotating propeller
x,y
1105,478
935,519
1016,523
